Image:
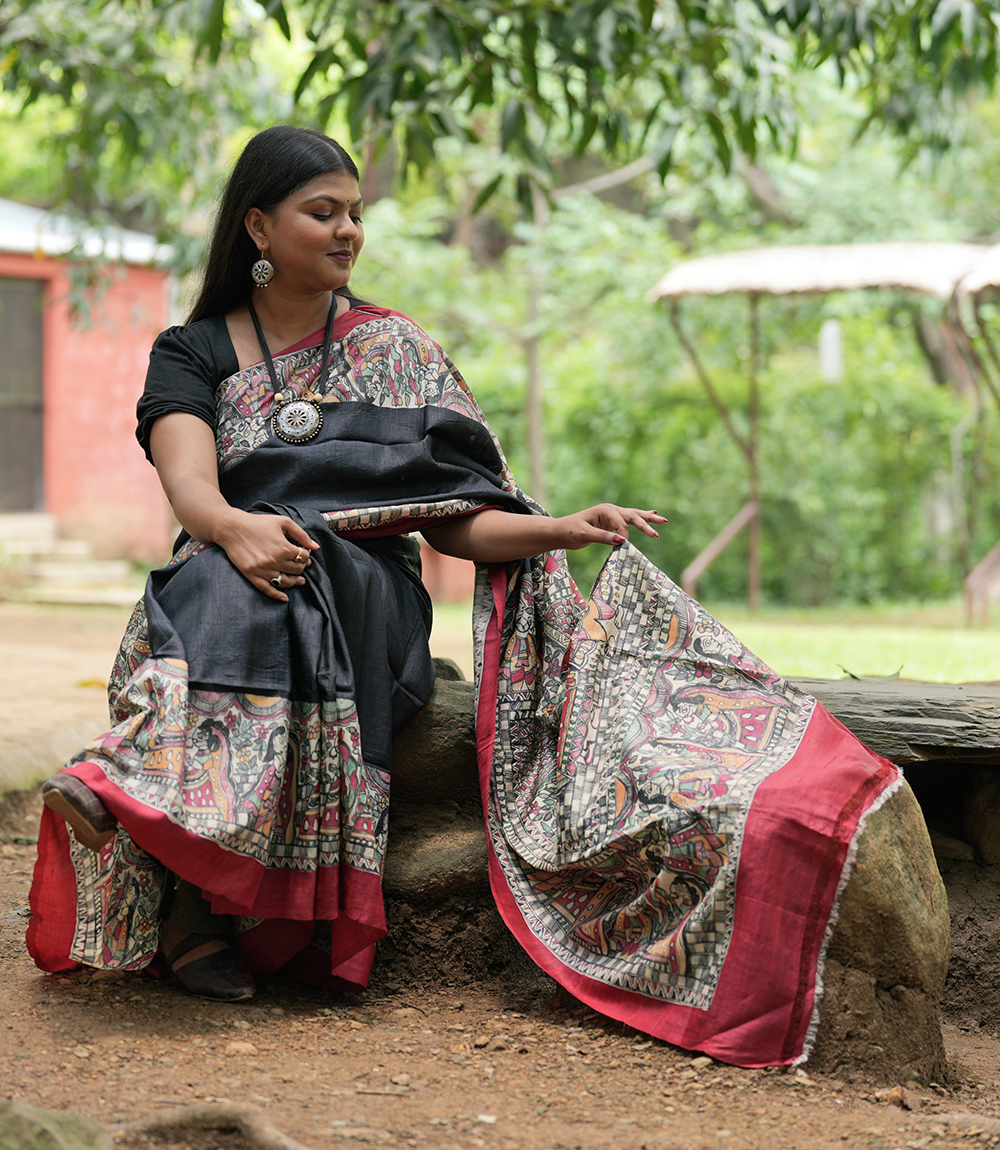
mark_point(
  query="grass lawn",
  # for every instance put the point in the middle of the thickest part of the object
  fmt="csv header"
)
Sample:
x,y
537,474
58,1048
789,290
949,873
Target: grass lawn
x,y
926,641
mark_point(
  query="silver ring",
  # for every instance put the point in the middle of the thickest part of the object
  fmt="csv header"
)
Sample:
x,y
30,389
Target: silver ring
x,y
276,581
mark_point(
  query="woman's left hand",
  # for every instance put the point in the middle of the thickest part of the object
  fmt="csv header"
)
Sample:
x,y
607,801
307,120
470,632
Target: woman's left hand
x,y
495,536
605,523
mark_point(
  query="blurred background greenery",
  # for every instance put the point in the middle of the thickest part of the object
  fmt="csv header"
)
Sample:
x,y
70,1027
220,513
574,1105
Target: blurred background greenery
x,y
737,126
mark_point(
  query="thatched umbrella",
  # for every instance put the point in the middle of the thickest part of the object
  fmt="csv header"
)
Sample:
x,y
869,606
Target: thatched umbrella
x,y
983,580
929,268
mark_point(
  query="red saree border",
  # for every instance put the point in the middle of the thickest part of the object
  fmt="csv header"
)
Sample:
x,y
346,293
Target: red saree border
x,y
349,898
789,847
286,945
51,930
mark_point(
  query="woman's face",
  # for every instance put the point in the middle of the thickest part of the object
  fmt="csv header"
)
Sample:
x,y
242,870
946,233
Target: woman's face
x,y
313,237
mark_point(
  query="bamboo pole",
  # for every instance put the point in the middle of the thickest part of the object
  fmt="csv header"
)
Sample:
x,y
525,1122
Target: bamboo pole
x,y
534,403
989,345
749,515
753,539
707,556
717,401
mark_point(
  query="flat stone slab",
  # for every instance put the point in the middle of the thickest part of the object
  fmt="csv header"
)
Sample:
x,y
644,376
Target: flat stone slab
x,y
905,722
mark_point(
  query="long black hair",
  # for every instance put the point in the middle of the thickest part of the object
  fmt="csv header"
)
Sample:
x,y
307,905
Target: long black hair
x,y
275,163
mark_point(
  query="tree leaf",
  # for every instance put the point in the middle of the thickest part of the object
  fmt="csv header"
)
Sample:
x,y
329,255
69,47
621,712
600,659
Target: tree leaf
x,y
213,30
486,193
872,678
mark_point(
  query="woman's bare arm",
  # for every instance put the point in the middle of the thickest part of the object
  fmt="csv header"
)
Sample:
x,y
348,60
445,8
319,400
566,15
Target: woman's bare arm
x,y
183,449
499,536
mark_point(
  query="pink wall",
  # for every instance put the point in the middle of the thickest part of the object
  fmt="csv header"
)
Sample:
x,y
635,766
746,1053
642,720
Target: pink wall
x,y
98,484
447,579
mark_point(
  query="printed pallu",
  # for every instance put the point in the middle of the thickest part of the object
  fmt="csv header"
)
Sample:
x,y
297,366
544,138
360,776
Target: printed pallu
x,y
669,822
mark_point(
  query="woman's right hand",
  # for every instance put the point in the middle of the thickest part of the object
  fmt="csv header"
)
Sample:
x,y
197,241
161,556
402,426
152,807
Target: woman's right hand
x,y
261,547
264,547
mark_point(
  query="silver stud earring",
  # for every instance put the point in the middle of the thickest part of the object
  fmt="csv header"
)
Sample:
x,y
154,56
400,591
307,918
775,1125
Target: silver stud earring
x,y
262,272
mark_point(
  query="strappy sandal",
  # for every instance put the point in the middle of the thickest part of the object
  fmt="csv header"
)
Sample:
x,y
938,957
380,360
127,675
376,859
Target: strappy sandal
x,y
221,976
93,825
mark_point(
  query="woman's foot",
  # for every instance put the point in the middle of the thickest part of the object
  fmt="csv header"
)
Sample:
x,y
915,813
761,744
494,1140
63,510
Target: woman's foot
x,y
93,825
205,965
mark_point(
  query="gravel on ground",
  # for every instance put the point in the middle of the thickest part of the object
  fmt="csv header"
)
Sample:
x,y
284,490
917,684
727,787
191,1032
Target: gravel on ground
x,y
434,1063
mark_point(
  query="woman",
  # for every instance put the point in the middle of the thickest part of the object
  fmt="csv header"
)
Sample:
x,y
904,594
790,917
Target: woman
x,y
638,763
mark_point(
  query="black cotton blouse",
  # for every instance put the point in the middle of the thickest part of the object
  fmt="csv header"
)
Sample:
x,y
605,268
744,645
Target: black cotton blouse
x,y
186,365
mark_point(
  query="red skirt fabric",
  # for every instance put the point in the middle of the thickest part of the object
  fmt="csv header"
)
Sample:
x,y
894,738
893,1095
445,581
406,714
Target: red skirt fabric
x,y
103,909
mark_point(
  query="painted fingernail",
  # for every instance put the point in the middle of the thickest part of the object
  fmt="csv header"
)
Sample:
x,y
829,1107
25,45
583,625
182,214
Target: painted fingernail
x,y
616,539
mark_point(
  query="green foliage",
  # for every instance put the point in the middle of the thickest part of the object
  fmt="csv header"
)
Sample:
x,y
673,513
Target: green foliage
x,y
541,80
133,129
907,60
561,77
859,500
141,107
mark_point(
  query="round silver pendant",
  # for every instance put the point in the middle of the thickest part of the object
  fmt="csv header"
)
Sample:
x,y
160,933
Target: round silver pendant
x,y
297,421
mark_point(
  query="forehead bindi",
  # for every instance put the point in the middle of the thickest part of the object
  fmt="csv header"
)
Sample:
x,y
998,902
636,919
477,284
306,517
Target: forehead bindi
x,y
332,201
337,189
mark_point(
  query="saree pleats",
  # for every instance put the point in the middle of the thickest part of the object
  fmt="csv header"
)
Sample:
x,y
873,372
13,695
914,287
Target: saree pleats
x,y
220,765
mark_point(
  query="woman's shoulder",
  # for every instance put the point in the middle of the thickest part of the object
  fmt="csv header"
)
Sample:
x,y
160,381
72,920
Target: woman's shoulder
x,y
204,335
382,320
204,347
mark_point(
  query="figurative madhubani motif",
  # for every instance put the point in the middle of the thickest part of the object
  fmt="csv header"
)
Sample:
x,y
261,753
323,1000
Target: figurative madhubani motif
x,y
247,772
119,896
629,746
133,650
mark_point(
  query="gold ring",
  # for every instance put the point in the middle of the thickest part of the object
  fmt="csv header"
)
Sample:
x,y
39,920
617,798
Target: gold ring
x,y
299,556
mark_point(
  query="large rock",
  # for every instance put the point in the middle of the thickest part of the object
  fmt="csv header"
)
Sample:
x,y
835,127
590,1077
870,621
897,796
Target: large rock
x,y
887,957
981,813
434,757
437,842
436,851
24,1127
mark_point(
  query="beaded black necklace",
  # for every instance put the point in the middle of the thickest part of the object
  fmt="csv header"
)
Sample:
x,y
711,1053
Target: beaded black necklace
x,y
296,420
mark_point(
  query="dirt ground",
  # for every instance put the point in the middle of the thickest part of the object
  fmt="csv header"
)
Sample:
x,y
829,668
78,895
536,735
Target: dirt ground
x,y
504,1061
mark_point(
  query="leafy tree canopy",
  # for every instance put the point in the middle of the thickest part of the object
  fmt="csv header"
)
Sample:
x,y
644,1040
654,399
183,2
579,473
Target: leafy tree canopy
x,y
129,122
539,78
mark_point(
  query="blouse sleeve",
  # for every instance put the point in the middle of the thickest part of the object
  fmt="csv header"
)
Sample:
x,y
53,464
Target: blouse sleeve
x,y
186,366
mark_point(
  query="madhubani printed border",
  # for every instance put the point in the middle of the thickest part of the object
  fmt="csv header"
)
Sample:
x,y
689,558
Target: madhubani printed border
x,y
387,361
